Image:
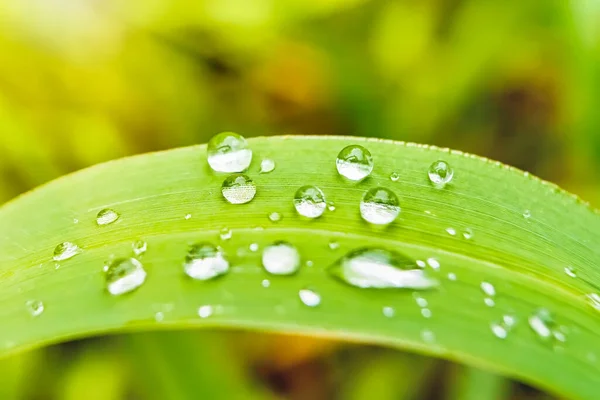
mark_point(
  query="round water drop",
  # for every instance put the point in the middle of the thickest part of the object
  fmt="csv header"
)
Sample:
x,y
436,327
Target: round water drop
x,y
238,189
467,233
267,165
380,268
106,217
427,336
526,214
205,261
281,258
489,302
266,283
426,312
274,217
394,176
451,276
310,202
509,320
34,307
124,275
225,234
433,263
570,271
65,250
331,206
542,323
309,297
333,245
498,330
379,206
488,289
139,247
228,152
421,263
451,231
440,173
388,312
253,247
421,302
188,216
205,311
159,316
354,162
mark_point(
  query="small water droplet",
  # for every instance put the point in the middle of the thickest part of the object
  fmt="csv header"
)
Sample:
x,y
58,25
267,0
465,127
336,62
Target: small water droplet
x,y
509,320
354,162
451,276
266,283
159,316
267,165
333,245
426,312
331,206
489,302
225,233
433,263
65,250
542,323
124,275
253,247
427,336
571,272
228,152
526,214
281,258
106,217
188,216
388,312
498,330
309,201
275,217
309,263
594,299
139,247
451,231
205,311
75,221
379,206
35,307
394,176
309,297
421,302
205,261
379,268
488,289
238,189
467,233
440,173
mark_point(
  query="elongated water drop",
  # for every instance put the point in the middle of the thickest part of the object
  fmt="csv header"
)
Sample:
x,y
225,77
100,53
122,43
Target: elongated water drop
x,y
205,261
281,258
379,206
354,162
124,275
498,330
571,272
267,165
488,289
65,250
309,297
309,202
542,323
440,173
139,247
35,307
238,189
106,217
228,152
380,268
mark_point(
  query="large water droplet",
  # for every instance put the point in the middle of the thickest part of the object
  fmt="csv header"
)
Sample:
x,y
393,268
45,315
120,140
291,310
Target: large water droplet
x,y
267,165
124,275
205,261
310,202
238,189
440,173
309,297
379,206
379,268
542,323
354,162
66,250
106,216
139,247
281,258
228,152
35,307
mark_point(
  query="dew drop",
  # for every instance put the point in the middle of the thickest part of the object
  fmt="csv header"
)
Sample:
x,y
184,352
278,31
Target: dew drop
x,y
333,245
238,189
489,302
451,231
451,276
426,312
309,297
188,216
225,233
433,263
498,330
205,261
35,307
427,336
331,206
309,263
379,268
253,247
421,302
354,162
379,206
509,320
106,217
139,247
421,263
266,283
281,258
75,221
65,250
388,311
467,233
205,311
594,299
228,152
526,214
542,323
267,165
124,275
488,289
159,316
394,176
275,217
440,173
309,202
571,272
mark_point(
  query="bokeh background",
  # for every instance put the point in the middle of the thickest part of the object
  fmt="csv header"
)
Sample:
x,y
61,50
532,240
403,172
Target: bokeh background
x,y
86,81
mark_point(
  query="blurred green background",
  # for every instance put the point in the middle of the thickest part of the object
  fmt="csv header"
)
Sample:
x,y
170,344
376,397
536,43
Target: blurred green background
x,y
82,82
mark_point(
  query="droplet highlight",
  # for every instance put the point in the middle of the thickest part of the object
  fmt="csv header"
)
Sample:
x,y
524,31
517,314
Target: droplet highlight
x,y
354,162
124,275
309,201
34,307
106,217
65,250
205,261
228,152
440,173
379,206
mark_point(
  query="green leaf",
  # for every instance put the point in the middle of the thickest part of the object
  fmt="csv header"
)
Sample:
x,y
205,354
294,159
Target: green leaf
x,y
523,258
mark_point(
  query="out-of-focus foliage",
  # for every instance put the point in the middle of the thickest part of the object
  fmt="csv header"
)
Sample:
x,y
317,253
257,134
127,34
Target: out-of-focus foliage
x,y
87,81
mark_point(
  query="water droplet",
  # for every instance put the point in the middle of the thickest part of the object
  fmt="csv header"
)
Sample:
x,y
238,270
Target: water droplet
x,y
394,176
427,336
124,275
426,312
275,217
421,263
509,320
331,206
379,206
489,302
228,152
159,316
467,233
267,165
238,189
526,214
451,231
310,202
205,311
309,297
75,221
433,263
421,302
188,216
253,247
388,312
488,289
571,272
354,162
379,268
66,250
281,258
106,217
440,173
498,330
35,307
139,247
205,261
451,276
226,234
266,283
333,245
542,323
309,263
